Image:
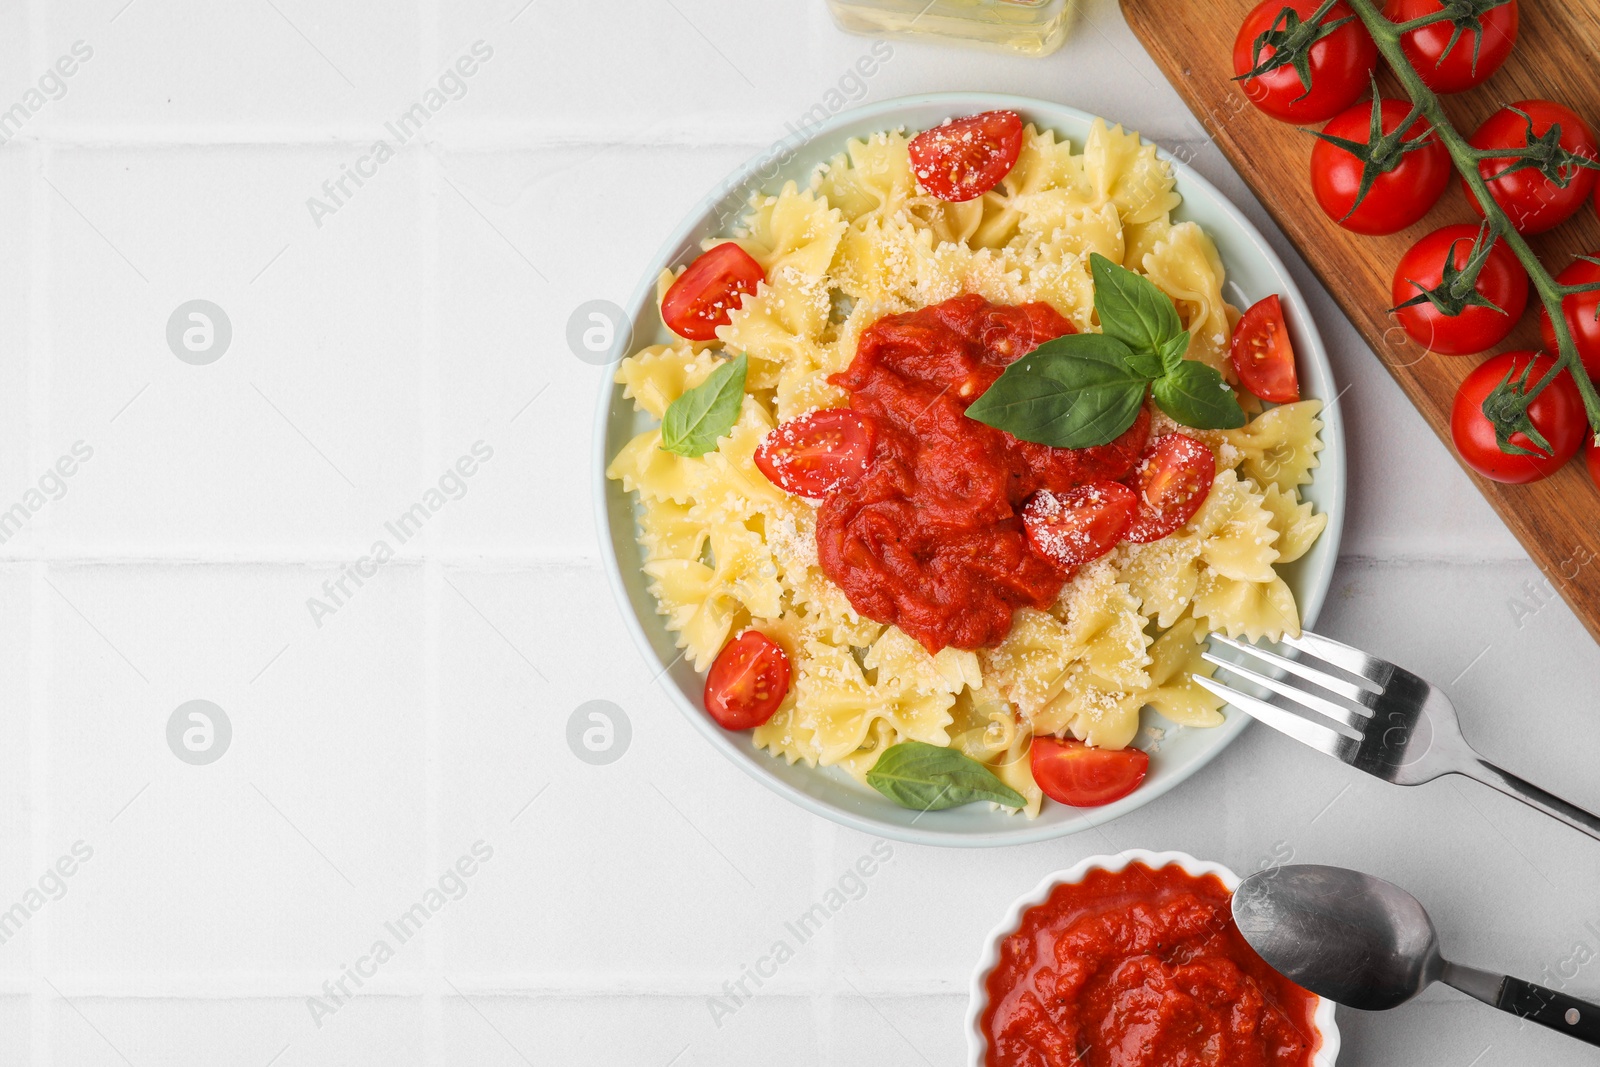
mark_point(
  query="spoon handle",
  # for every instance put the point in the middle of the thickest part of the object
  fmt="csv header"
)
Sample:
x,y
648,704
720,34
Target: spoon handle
x,y
1546,1007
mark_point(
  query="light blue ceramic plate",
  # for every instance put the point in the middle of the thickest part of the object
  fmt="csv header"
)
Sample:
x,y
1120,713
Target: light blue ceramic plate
x,y
1254,271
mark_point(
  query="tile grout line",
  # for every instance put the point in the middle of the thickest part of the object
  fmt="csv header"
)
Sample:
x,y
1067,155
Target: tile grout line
x,y
825,840
430,259
41,1033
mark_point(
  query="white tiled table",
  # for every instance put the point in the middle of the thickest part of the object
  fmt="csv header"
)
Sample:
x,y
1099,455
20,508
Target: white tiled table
x,y
372,346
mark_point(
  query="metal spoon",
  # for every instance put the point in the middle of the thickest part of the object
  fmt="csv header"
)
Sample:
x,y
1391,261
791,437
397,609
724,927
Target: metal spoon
x,y
1368,944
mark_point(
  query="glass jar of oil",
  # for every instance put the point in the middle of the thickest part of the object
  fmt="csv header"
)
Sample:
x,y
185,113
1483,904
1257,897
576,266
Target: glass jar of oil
x,y
1030,27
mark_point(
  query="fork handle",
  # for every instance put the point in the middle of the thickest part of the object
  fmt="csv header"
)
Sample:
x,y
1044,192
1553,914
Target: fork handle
x,y
1487,773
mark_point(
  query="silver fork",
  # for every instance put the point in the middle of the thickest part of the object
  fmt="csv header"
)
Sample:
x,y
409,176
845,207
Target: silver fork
x,y
1391,723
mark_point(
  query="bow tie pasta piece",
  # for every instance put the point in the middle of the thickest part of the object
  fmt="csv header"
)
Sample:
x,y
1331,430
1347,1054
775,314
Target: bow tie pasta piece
x,y
1082,673
1071,229
793,233
1174,658
834,699
871,178
1104,716
1298,527
671,531
782,322
644,467
1126,172
1280,445
955,224
702,602
1236,531
987,729
876,262
1029,667
1102,617
1043,165
901,662
733,489
1055,267
1163,575
1184,264
1047,163
1251,610
655,376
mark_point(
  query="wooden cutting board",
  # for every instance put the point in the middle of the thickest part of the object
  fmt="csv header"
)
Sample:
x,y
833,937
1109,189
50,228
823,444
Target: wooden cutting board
x,y
1557,520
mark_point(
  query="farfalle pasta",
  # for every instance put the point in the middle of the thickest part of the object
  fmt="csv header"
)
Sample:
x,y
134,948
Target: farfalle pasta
x,y
726,551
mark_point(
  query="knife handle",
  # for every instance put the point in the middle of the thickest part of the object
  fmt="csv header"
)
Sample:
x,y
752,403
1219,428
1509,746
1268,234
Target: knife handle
x,y
1574,1017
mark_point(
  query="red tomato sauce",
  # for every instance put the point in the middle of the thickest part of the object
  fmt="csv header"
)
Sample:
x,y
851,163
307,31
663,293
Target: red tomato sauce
x,y
930,538
1141,968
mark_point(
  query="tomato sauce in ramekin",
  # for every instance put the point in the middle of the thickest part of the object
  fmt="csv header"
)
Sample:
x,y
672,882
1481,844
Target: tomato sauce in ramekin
x,y
1138,968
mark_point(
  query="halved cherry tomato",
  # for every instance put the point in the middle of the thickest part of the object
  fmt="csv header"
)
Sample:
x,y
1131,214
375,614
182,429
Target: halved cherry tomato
x,y
1579,311
1398,196
1262,354
1081,525
712,286
1475,55
1070,772
1341,64
747,682
1593,459
1172,481
1502,281
1557,413
1533,202
965,158
818,453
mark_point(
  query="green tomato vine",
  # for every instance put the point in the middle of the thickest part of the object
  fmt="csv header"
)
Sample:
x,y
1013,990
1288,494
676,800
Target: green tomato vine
x,y
1291,39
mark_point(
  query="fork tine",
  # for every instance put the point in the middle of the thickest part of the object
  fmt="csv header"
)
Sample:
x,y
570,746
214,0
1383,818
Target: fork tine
x,y
1344,657
1337,712
1336,686
1322,738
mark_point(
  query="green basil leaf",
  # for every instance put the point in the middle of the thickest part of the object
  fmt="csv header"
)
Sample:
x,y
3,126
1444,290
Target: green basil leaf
x,y
1131,308
1147,365
1195,395
700,417
1076,391
1172,352
915,774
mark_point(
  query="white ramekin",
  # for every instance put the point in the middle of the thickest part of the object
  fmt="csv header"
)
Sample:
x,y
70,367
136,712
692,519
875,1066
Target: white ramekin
x,y
978,998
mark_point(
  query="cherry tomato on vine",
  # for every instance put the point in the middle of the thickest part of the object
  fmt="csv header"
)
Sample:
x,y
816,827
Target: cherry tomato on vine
x,y
1341,64
1172,480
1070,772
1080,525
818,453
1557,412
1533,202
965,158
1579,311
747,682
1502,282
1262,355
1397,197
1475,55
708,290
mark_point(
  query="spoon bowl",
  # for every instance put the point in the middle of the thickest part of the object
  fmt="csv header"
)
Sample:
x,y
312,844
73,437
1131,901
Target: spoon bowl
x,y
1366,943
1344,935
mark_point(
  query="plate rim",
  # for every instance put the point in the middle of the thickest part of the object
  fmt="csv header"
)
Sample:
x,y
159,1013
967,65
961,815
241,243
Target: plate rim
x,y
1032,831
